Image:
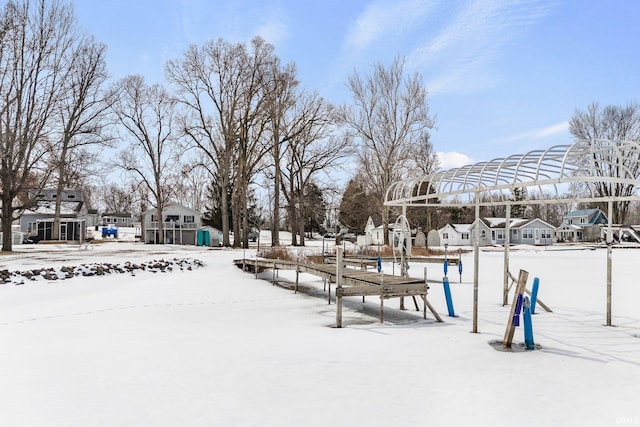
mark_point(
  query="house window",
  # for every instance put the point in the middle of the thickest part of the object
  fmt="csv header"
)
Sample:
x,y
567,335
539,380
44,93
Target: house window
x,y
445,235
500,234
189,219
582,220
465,236
527,233
546,233
570,221
154,217
32,227
514,234
483,234
71,196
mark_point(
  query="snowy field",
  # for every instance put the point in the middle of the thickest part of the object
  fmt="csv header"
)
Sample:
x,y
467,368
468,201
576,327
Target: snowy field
x,y
212,346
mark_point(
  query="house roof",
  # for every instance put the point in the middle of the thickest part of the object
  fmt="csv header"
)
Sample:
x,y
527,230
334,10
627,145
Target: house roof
x,y
582,212
594,215
172,205
514,222
49,208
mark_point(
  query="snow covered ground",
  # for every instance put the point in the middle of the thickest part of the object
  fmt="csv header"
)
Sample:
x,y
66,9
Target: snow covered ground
x,y
212,346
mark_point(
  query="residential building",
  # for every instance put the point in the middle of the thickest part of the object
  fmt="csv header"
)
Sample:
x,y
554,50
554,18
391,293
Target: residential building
x,y
581,226
180,224
39,220
523,231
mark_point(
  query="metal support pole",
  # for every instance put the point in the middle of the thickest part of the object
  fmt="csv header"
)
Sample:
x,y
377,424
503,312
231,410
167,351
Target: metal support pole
x,y
476,259
609,259
339,288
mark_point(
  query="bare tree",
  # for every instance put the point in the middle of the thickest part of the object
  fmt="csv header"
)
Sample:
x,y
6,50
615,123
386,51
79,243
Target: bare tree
x,y
147,114
612,123
391,118
35,40
82,115
282,127
316,146
223,86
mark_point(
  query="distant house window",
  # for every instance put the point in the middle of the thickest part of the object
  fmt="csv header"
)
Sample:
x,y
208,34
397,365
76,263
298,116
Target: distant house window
x,y
583,220
71,196
546,233
500,234
465,236
570,221
154,217
514,234
527,233
445,235
483,233
189,219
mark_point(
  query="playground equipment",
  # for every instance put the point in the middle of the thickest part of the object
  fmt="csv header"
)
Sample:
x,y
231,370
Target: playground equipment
x,y
110,230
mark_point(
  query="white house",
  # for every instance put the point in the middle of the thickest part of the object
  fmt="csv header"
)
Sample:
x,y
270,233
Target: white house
x,y
375,235
455,235
180,225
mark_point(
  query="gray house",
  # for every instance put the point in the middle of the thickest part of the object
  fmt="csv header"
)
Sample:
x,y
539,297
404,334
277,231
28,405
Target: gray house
x,y
581,226
117,219
180,225
523,231
38,221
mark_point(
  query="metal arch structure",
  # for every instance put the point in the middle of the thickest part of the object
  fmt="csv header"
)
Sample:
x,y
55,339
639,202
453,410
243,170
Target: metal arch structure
x,y
549,171
545,170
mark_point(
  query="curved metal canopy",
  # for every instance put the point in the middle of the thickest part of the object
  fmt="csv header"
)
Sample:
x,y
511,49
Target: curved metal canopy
x,y
598,161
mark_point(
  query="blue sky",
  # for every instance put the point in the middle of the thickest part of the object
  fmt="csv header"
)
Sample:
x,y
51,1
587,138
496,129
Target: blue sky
x,y
504,76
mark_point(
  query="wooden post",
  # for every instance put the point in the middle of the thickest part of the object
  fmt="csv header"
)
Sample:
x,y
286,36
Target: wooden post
x,y
273,274
297,275
255,267
339,288
381,309
511,328
424,298
507,241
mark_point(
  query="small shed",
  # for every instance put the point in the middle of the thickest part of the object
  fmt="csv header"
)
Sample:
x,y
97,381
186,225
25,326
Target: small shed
x,y
209,236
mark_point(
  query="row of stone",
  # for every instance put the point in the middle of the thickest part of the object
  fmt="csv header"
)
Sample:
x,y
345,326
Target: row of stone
x,y
97,269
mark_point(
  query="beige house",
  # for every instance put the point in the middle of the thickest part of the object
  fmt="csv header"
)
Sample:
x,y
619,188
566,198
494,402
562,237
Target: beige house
x,y
180,225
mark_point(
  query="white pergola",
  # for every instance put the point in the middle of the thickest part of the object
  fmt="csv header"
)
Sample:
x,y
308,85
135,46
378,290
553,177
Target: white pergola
x,y
613,164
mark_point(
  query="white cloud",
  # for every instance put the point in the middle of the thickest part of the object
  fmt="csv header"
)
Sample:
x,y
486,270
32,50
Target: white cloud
x,y
462,52
452,159
556,129
381,18
274,32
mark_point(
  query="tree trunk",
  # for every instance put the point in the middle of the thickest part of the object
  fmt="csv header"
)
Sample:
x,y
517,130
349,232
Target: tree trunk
x,y
275,221
224,210
7,243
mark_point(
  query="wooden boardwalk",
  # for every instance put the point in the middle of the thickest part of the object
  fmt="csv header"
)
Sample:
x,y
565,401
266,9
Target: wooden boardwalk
x,y
352,282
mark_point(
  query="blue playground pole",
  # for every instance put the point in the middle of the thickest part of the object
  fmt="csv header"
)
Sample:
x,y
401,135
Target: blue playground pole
x,y
447,295
460,269
516,315
528,326
446,267
379,264
534,294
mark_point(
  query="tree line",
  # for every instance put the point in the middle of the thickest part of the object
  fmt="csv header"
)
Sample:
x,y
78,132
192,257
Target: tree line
x,y
230,120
